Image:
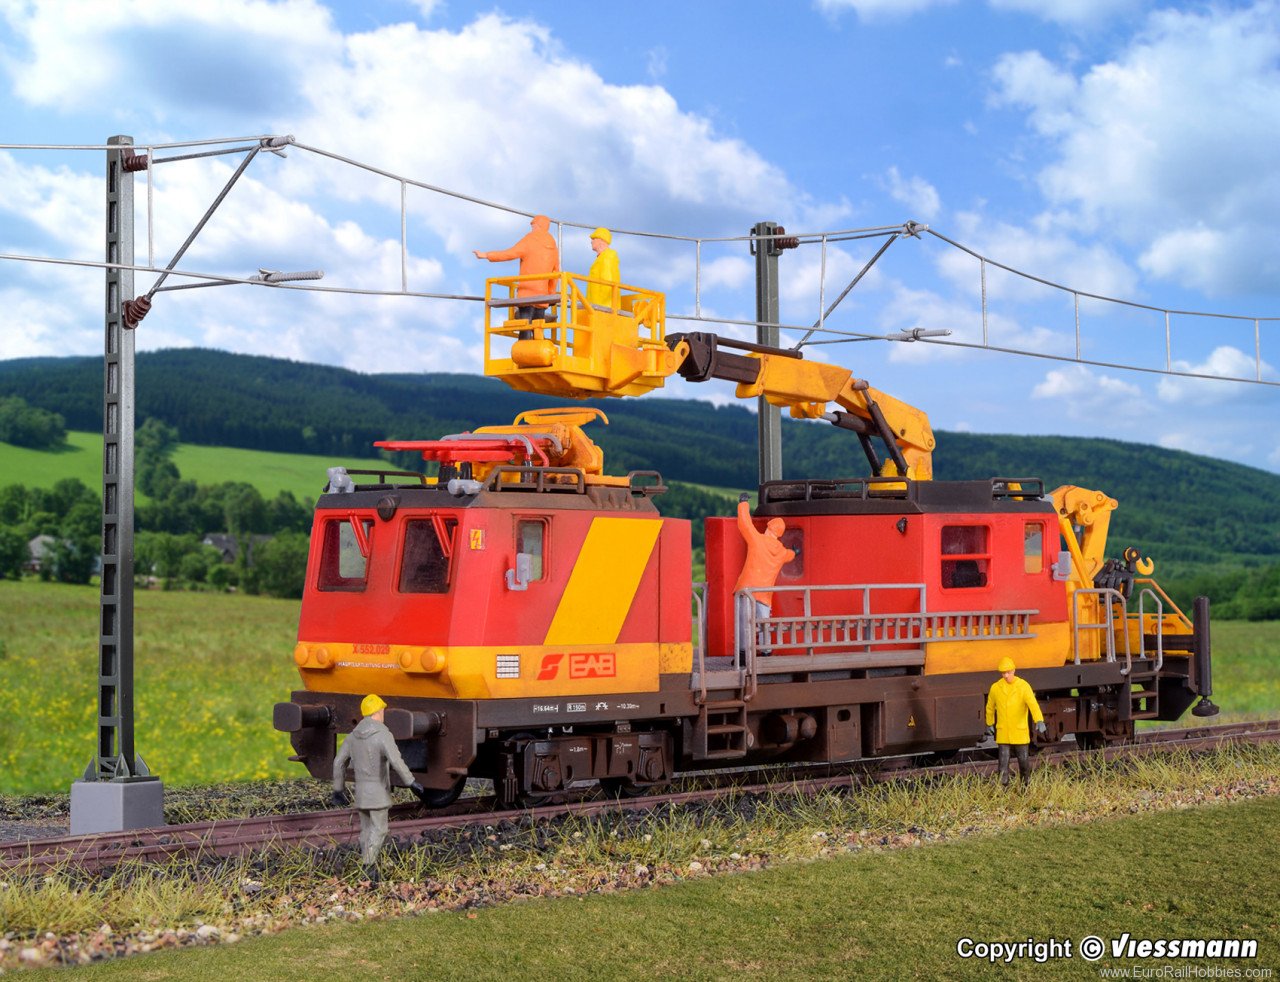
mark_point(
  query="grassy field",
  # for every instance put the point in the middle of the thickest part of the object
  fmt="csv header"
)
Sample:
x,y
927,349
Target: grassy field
x,y
270,473
899,914
209,667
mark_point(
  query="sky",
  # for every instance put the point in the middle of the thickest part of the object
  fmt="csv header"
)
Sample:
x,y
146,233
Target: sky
x,y
1119,148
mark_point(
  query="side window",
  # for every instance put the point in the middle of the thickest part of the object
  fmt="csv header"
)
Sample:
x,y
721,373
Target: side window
x,y
966,557
428,547
531,537
1033,548
344,563
794,539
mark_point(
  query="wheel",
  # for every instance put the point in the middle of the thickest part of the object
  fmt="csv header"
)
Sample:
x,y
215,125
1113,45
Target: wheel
x,y
443,797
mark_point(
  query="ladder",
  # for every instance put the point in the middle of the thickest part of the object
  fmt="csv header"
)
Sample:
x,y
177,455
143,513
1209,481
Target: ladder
x,y
720,732
1144,697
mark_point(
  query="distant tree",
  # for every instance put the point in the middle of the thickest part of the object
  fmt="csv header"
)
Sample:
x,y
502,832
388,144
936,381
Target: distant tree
x,y
222,576
25,425
71,561
161,554
281,564
15,504
243,510
65,495
156,441
195,566
157,437
82,523
285,514
13,553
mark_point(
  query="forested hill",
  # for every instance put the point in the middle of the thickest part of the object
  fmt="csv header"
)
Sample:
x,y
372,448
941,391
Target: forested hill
x,y
1184,508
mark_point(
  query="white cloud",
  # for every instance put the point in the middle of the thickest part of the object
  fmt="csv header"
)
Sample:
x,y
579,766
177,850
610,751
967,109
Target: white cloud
x,y
500,112
426,8
1167,146
1028,78
1197,443
908,308
656,62
233,53
62,205
1083,394
495,109
1193,255
731,272
1044,249
870,10
1225,361
1073,13
914,192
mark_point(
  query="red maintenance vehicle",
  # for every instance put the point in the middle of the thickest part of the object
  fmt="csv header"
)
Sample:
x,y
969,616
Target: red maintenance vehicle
x,y
533,621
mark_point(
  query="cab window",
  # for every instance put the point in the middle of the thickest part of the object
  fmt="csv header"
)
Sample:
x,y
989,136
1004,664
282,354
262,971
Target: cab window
x,y
428,550
793,539
1033,547
966,556
344,566
531,538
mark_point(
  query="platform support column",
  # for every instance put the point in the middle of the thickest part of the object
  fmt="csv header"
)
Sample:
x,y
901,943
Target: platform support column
x,y
769,418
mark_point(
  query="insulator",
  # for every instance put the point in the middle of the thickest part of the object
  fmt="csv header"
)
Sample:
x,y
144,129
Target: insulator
x,y
133,162
135,310
785,242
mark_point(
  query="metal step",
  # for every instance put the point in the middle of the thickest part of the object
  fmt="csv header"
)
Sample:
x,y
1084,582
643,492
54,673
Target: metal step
x,y
721,730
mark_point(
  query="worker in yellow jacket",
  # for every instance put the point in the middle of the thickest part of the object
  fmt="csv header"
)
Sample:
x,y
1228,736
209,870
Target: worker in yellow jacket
x,y
604,272
1008,703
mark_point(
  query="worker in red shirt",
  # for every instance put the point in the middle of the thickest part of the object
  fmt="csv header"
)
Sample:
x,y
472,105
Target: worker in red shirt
x,y
537,253
766,555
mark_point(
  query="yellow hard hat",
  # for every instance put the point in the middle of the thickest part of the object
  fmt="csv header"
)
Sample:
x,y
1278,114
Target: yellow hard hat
x,y
370,704
603,233
1006,665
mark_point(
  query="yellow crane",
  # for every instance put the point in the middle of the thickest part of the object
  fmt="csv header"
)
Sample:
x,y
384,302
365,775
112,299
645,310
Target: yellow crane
x,y
583,350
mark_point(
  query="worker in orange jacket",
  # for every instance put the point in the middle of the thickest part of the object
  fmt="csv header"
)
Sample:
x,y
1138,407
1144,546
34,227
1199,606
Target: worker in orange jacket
x,y
537,253
766,555
1008,703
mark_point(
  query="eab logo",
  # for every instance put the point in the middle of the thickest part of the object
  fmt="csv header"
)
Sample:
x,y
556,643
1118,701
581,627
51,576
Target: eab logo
x,y
582,665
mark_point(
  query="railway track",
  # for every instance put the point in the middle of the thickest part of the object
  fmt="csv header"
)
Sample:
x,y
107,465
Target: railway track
x,y
228,837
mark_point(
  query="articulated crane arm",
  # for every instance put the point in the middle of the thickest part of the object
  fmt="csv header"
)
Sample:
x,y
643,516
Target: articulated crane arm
x,y
581,350
807,388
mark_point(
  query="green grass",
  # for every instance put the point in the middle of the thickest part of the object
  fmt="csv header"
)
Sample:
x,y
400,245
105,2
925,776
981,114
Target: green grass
x,y
303,474
270,473
209,667
875,915
82,458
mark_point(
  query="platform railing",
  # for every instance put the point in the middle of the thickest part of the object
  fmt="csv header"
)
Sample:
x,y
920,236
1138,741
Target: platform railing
x,y
866,635
1108,599
1140,617
566,318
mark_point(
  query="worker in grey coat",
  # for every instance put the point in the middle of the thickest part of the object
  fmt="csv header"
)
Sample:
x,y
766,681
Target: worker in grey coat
x,y
371,751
